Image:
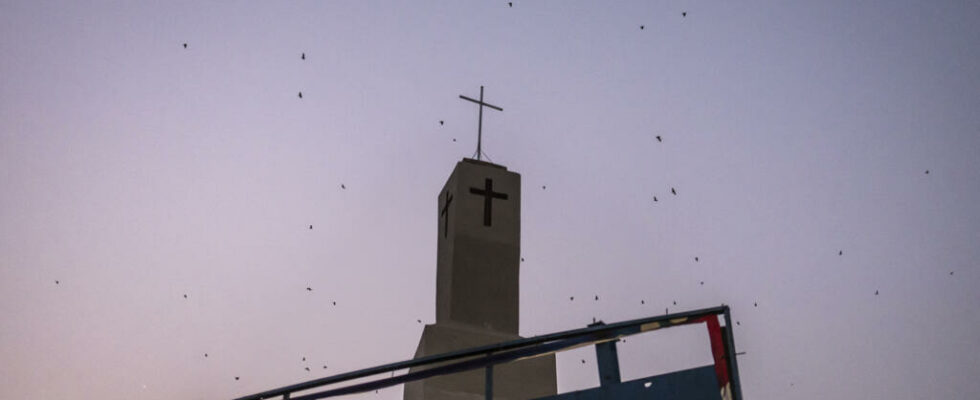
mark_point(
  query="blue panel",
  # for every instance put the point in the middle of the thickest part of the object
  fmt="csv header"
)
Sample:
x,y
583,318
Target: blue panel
x,y
691,384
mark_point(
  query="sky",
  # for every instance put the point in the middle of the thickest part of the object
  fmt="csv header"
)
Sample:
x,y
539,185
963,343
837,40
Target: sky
x,y
825,155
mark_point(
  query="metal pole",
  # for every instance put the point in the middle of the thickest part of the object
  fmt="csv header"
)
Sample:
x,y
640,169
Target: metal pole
x,y
732,359
489,382
479,128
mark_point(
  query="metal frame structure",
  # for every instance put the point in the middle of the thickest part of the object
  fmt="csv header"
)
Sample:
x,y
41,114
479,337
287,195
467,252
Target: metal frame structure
x,y
603,336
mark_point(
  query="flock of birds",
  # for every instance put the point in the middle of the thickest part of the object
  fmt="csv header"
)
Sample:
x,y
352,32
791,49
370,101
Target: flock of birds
x,y
673,192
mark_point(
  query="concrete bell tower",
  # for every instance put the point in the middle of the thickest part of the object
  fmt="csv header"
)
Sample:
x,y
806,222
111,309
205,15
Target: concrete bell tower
x,y
477,285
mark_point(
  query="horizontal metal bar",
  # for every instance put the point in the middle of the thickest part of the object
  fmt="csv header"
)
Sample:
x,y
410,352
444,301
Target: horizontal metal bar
x,y
619,328
480,102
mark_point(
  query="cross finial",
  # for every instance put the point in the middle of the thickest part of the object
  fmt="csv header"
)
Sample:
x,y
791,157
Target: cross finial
x,y
479,127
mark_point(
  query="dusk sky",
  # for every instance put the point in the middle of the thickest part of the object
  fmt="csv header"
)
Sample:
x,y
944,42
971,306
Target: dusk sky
x,y
134,171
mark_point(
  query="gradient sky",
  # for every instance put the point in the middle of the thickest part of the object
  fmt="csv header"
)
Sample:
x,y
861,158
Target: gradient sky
x,y
135,171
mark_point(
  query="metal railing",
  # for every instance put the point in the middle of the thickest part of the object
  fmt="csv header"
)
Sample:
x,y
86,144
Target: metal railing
x,y
499,353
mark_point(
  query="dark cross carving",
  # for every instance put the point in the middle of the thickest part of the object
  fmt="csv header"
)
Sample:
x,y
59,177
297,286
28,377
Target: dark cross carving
x,y
445,211
479,127
488,196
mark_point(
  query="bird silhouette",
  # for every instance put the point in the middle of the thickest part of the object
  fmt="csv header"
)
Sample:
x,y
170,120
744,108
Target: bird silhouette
x,y
324,367
583,361
304,358
56,282
185,295
702,283
309,289
510,4
673,191
675,302
301,95
755,304
420,321
951,272
659,139
441,122
876,292
522,259
643,302
454,139
236,378
840,253
596,297
684,14
927,172
572,298
342,186
335,303
205,355
307,369
654,198
185,45
302,56
696,259
641,27
543,187
311,226
738,323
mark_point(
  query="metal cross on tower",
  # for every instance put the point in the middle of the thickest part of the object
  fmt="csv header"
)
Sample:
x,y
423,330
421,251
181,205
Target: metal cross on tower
x,y
479,128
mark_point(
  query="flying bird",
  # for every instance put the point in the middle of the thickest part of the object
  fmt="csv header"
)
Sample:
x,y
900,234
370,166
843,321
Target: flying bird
x,y
738,323
309,289
236,378
927,172
302,56
454,139
673,191
543,187
675,302
205,355
185,295
755,304
311,226
641,27
420,321
596,297
301,95
696,259
572,298
659,139
951,272
654,198
522,259
441,122
876,292
307,369
642,302
583,361
304,358
510,4
342,186
324,367
840,253
57,282
702,283
684,14
185,45
335,303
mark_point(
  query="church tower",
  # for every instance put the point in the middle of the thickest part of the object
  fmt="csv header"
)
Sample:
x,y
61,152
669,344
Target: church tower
x,y
477,285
